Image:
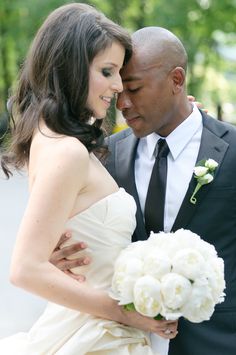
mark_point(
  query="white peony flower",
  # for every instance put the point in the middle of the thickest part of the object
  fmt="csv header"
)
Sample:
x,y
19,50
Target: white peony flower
x,y
122,288
127,271
207,250
211,164
200,306
156,263
133,250
165,242
169,314
188,263
200,170
131,265
147,296
186,239
215,277
175,290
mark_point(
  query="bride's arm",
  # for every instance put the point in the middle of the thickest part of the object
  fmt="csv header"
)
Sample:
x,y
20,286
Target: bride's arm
x,y
60,176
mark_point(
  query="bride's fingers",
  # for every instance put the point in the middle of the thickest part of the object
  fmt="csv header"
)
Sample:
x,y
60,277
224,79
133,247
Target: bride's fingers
x,y
168,335
169,332
191,98
166,329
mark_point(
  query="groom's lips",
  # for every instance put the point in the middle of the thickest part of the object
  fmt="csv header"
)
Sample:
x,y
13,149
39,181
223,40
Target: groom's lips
x,y
131,120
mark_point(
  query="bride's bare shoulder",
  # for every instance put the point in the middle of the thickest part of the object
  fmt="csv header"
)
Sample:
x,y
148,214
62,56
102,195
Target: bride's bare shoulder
x,y
47,142
54,150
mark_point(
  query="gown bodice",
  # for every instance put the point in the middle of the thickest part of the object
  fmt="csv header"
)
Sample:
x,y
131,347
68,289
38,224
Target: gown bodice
x,y
106,227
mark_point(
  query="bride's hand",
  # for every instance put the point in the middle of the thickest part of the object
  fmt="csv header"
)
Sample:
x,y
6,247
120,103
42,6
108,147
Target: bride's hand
x,y
60,255
164,328
198,104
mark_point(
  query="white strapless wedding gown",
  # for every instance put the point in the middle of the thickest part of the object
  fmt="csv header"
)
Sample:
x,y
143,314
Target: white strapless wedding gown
x,y
107,227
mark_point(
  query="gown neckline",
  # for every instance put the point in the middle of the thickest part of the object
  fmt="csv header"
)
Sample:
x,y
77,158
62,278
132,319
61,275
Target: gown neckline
x,y
121,189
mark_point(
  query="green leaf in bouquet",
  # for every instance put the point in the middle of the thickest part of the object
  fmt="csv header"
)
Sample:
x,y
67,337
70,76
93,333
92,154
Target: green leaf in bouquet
x,y
129,307
159,317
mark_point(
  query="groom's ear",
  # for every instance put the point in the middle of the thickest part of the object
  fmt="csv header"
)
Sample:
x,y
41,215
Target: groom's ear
x,y
178,79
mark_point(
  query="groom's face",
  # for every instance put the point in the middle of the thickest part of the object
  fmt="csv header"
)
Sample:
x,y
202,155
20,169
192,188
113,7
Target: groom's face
x,y
147,100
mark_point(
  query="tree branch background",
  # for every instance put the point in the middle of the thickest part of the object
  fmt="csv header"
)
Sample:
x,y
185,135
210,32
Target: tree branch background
x,y
206,27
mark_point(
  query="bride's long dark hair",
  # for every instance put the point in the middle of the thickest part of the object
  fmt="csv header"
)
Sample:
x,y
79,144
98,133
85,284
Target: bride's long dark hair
x,y
53,84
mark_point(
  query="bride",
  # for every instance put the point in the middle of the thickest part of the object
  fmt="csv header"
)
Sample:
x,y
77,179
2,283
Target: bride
x,y
70,75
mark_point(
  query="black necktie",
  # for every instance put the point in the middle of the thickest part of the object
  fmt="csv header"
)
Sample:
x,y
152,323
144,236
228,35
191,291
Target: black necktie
x,y
155,201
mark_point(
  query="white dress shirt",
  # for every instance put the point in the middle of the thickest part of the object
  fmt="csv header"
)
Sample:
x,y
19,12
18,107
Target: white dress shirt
x,y
184,143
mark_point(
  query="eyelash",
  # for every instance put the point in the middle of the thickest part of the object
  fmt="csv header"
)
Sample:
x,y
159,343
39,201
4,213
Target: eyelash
x,y
106,72
134,90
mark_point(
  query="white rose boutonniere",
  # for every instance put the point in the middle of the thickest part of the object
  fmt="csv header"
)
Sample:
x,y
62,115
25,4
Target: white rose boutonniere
x,y
204,173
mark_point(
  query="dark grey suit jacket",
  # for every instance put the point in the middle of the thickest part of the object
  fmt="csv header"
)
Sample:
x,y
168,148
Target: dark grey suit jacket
x,y
213,218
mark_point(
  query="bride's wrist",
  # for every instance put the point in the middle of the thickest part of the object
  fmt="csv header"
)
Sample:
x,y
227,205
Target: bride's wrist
x,y
106,307
115,312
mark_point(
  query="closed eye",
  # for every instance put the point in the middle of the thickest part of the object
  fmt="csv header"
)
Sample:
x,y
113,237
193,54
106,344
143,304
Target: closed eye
x,y
106,72
134,90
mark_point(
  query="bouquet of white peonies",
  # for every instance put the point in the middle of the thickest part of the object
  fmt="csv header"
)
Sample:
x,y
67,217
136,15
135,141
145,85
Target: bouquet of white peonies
x,y
170,275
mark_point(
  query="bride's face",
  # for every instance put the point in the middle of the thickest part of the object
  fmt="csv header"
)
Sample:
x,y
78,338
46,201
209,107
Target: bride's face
x,y
104,79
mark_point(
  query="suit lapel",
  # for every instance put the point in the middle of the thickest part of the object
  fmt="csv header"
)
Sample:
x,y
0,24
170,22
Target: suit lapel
x,y
125,159
211,147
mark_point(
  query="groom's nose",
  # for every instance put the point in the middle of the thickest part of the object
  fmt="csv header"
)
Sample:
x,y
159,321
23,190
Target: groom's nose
x,y
123,101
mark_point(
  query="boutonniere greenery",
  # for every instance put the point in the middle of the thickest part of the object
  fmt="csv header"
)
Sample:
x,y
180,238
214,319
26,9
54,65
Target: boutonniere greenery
x,y
204,173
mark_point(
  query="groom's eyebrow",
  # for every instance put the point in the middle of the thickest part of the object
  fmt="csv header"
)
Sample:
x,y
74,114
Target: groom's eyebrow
x,y
131,78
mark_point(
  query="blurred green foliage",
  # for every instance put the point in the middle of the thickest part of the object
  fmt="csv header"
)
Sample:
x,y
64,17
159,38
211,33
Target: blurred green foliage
x,y
204,26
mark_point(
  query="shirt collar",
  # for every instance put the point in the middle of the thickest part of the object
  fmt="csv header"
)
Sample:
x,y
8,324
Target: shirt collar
x,y
179,138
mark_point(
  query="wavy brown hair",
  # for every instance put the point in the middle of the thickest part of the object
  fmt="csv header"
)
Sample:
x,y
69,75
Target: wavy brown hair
x,y
53,83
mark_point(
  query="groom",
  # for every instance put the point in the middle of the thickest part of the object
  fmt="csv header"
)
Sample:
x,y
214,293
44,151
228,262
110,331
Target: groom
x,y
154,104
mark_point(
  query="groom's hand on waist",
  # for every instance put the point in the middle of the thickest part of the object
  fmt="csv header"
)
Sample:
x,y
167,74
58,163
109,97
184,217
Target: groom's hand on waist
x,y
60,255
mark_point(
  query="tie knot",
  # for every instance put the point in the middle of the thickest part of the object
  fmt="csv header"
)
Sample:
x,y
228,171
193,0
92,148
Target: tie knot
x,y
162,149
